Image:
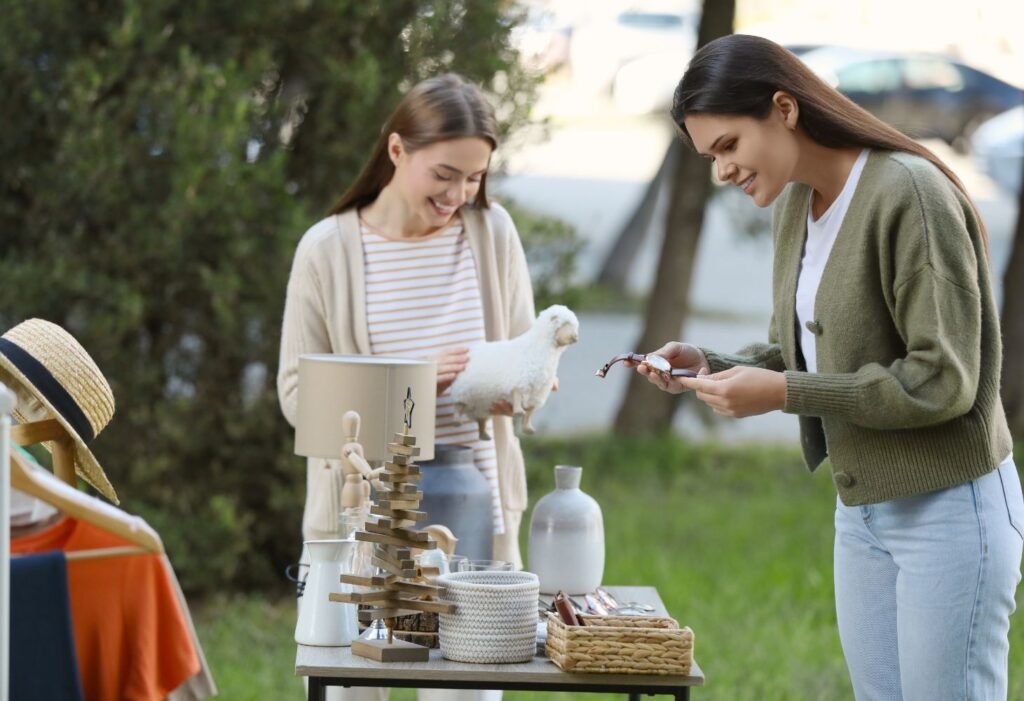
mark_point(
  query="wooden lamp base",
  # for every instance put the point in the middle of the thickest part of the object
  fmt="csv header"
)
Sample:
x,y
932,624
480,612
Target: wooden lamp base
x,y
395,651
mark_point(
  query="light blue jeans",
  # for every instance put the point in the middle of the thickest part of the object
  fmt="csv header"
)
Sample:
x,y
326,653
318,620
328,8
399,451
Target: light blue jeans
x,y
925,587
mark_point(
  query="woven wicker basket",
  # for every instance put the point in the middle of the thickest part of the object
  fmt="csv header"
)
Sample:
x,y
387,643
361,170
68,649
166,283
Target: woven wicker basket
x,y
495,619
621,645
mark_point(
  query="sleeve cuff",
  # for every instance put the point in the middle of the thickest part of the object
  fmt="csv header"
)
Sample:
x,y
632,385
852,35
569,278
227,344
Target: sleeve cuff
x,y
821,394
717,362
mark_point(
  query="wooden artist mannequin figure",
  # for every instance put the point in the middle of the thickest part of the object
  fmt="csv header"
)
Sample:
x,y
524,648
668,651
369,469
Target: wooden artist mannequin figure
x,y
358,473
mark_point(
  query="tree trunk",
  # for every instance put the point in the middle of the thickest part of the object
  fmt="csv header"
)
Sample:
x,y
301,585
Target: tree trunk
x,y
645,409
619,261
1013,327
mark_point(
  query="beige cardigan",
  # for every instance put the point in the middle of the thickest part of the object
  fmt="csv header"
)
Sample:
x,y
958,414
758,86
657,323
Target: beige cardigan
x,y
325,312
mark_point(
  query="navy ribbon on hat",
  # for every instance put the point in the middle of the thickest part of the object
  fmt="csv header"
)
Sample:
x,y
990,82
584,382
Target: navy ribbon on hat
x,y
47,385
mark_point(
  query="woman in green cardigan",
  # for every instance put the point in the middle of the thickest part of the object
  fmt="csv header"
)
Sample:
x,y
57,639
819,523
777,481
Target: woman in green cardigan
x,y
885,342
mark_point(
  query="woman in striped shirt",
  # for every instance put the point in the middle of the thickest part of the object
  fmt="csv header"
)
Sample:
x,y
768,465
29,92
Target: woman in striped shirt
x,y
414,261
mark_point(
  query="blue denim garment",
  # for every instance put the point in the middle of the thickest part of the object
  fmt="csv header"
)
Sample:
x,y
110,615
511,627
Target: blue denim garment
x,y
925,588
44,664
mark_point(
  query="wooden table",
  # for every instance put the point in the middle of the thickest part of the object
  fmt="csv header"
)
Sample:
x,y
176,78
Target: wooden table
x,y
337,666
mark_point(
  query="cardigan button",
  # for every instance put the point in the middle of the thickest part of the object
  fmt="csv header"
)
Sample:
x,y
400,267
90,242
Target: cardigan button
x,y
843,480
814,327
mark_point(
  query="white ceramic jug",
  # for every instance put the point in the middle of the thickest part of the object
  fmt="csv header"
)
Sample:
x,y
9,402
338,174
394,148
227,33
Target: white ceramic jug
x,y
566,547
321,621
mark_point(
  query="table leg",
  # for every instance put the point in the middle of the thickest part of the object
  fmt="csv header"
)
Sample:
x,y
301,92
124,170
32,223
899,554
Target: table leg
x,y
683,694
633,696
317,689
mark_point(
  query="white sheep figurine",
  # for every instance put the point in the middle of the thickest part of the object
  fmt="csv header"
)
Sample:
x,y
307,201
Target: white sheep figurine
x,y
520,370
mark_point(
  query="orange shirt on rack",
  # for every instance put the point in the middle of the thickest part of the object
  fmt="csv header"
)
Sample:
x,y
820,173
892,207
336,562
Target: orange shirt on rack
x,y
132,640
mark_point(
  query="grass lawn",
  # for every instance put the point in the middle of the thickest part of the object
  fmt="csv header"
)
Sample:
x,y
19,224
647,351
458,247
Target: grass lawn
x,y
738,542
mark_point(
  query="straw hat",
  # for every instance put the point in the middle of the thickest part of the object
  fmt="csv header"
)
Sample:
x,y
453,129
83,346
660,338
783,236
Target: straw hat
x,y
54,378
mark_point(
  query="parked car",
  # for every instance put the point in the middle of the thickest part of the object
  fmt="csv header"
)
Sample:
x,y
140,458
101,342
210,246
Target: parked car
x,y
923,95
998,148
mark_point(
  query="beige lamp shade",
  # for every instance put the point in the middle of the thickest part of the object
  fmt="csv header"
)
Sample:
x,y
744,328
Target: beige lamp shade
x,y
375,388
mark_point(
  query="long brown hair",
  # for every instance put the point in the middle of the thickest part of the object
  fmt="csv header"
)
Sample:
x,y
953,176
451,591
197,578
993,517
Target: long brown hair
x,y
437,109
738,74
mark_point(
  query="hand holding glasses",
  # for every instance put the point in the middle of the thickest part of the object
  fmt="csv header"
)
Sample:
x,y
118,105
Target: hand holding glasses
x,y
656,363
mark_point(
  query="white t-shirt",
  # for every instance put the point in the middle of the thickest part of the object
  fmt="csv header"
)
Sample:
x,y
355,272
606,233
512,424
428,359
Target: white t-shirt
x,y
821,235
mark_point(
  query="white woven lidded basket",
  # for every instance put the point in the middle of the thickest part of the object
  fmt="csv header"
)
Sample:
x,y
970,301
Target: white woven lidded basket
x,y
495,619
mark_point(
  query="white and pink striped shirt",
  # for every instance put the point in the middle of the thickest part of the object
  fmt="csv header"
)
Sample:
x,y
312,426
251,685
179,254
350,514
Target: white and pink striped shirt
x,y
422,297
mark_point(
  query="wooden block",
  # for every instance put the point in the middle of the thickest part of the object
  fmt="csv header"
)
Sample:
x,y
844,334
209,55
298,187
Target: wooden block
x,y
399,477
375,581
341,598
416,588
401,492
399,449
398,462
368,597
393,602
406,533
409,514
399,556
405,514
397,492
398,504
428,571
379,528
409,572
414,605
395,523
387,566
415,536
395,651
392,540
405,439
428,606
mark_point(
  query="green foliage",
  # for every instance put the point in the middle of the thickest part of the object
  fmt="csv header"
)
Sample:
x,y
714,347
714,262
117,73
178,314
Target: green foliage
x,y
250,646
160,162
551,249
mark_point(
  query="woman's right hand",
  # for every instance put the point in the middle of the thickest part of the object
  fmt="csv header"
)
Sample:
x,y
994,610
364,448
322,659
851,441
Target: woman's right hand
x,y
679,355
450,363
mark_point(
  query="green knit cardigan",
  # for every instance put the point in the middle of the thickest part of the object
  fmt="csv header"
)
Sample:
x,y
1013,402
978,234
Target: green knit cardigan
x,y
906,397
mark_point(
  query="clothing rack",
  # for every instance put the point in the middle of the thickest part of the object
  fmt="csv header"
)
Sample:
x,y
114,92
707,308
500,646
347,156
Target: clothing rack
x,y
7,403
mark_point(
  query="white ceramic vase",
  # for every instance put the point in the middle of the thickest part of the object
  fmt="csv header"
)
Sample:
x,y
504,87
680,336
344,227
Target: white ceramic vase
x,y
321,621
566,547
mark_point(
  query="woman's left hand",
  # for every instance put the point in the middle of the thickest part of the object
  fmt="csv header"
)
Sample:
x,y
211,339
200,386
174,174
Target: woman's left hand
x,y
740,391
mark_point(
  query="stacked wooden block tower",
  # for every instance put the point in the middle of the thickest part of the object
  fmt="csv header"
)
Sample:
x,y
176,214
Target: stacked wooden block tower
x,y
396,591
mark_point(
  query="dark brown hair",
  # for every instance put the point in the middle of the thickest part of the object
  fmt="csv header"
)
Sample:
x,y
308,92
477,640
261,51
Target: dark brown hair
x,y
437,109
739,74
